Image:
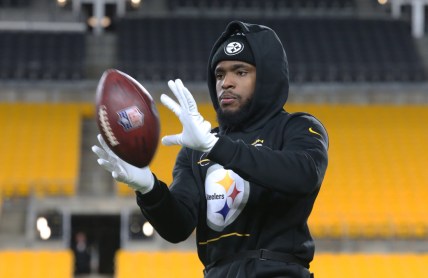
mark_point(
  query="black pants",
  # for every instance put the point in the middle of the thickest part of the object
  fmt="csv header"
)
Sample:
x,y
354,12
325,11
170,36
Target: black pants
x,y
258,263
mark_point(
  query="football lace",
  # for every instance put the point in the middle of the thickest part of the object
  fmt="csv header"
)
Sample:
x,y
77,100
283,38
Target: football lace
x,y
105,125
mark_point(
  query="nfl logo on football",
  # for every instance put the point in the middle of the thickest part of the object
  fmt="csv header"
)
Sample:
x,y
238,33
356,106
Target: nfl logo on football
x,y
130,118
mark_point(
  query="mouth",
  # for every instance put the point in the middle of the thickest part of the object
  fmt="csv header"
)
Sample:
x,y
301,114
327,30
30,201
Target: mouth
x,y
227,99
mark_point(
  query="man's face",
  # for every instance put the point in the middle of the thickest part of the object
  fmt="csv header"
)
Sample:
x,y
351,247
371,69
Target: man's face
x,y
235,85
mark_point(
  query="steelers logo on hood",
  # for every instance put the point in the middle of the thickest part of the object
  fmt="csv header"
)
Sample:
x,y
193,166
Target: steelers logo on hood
x,y
236,47
233,48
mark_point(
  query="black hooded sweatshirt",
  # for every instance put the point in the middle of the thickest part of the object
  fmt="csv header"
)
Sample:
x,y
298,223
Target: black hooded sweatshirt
x,y
256,188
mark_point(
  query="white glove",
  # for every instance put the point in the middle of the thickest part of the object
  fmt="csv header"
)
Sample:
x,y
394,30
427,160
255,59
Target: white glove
x,y
196,132
140,179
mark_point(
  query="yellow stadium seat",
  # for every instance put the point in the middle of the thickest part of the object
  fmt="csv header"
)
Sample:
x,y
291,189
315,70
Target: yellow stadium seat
x,y
36,264
375,184
369,265
41,148
158,264
325,265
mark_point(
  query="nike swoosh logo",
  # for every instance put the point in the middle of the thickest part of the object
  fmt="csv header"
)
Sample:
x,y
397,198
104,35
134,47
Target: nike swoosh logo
x,y
314,132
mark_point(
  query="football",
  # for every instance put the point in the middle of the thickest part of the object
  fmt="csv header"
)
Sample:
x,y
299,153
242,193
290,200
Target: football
x,y
127,118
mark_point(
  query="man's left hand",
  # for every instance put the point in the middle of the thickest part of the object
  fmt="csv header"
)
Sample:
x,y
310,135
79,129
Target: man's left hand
x,y
196,132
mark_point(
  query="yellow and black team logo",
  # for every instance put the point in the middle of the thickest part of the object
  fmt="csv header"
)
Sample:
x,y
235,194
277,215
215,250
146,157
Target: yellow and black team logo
x,y
227,194
258,142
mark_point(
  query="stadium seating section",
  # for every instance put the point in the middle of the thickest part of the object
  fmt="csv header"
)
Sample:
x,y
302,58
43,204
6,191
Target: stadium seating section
x,y
187,265
319,49
329,49
256,5
14,3
36,55
374,187
36,263
41,148
376,181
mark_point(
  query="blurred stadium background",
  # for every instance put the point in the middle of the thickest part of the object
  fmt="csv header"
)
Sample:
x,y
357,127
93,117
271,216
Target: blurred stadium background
x,y
359,65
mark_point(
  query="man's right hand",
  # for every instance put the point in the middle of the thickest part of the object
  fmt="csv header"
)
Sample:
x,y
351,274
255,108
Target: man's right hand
x,y
140,179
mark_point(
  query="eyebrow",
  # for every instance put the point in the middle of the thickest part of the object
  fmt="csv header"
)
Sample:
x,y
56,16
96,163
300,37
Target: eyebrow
x,y
232,67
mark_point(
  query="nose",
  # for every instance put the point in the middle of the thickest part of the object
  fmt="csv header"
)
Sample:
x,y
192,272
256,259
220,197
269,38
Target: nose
x,y
228,81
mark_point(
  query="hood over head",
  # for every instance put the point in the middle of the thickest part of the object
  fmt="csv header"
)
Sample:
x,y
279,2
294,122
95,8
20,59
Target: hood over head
x,y
268,55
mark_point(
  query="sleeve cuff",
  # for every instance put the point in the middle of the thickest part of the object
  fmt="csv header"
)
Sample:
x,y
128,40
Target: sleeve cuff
x,y
223,151
153,196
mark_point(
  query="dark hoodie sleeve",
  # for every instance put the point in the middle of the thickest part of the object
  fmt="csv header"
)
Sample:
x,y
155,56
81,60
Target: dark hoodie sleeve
x,y
298,167
173,211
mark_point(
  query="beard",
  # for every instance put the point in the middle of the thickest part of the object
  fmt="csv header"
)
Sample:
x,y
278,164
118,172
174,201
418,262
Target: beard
x,y
234,119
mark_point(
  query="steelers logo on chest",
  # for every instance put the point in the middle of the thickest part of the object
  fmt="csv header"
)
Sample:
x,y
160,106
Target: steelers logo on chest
x,y
227,194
